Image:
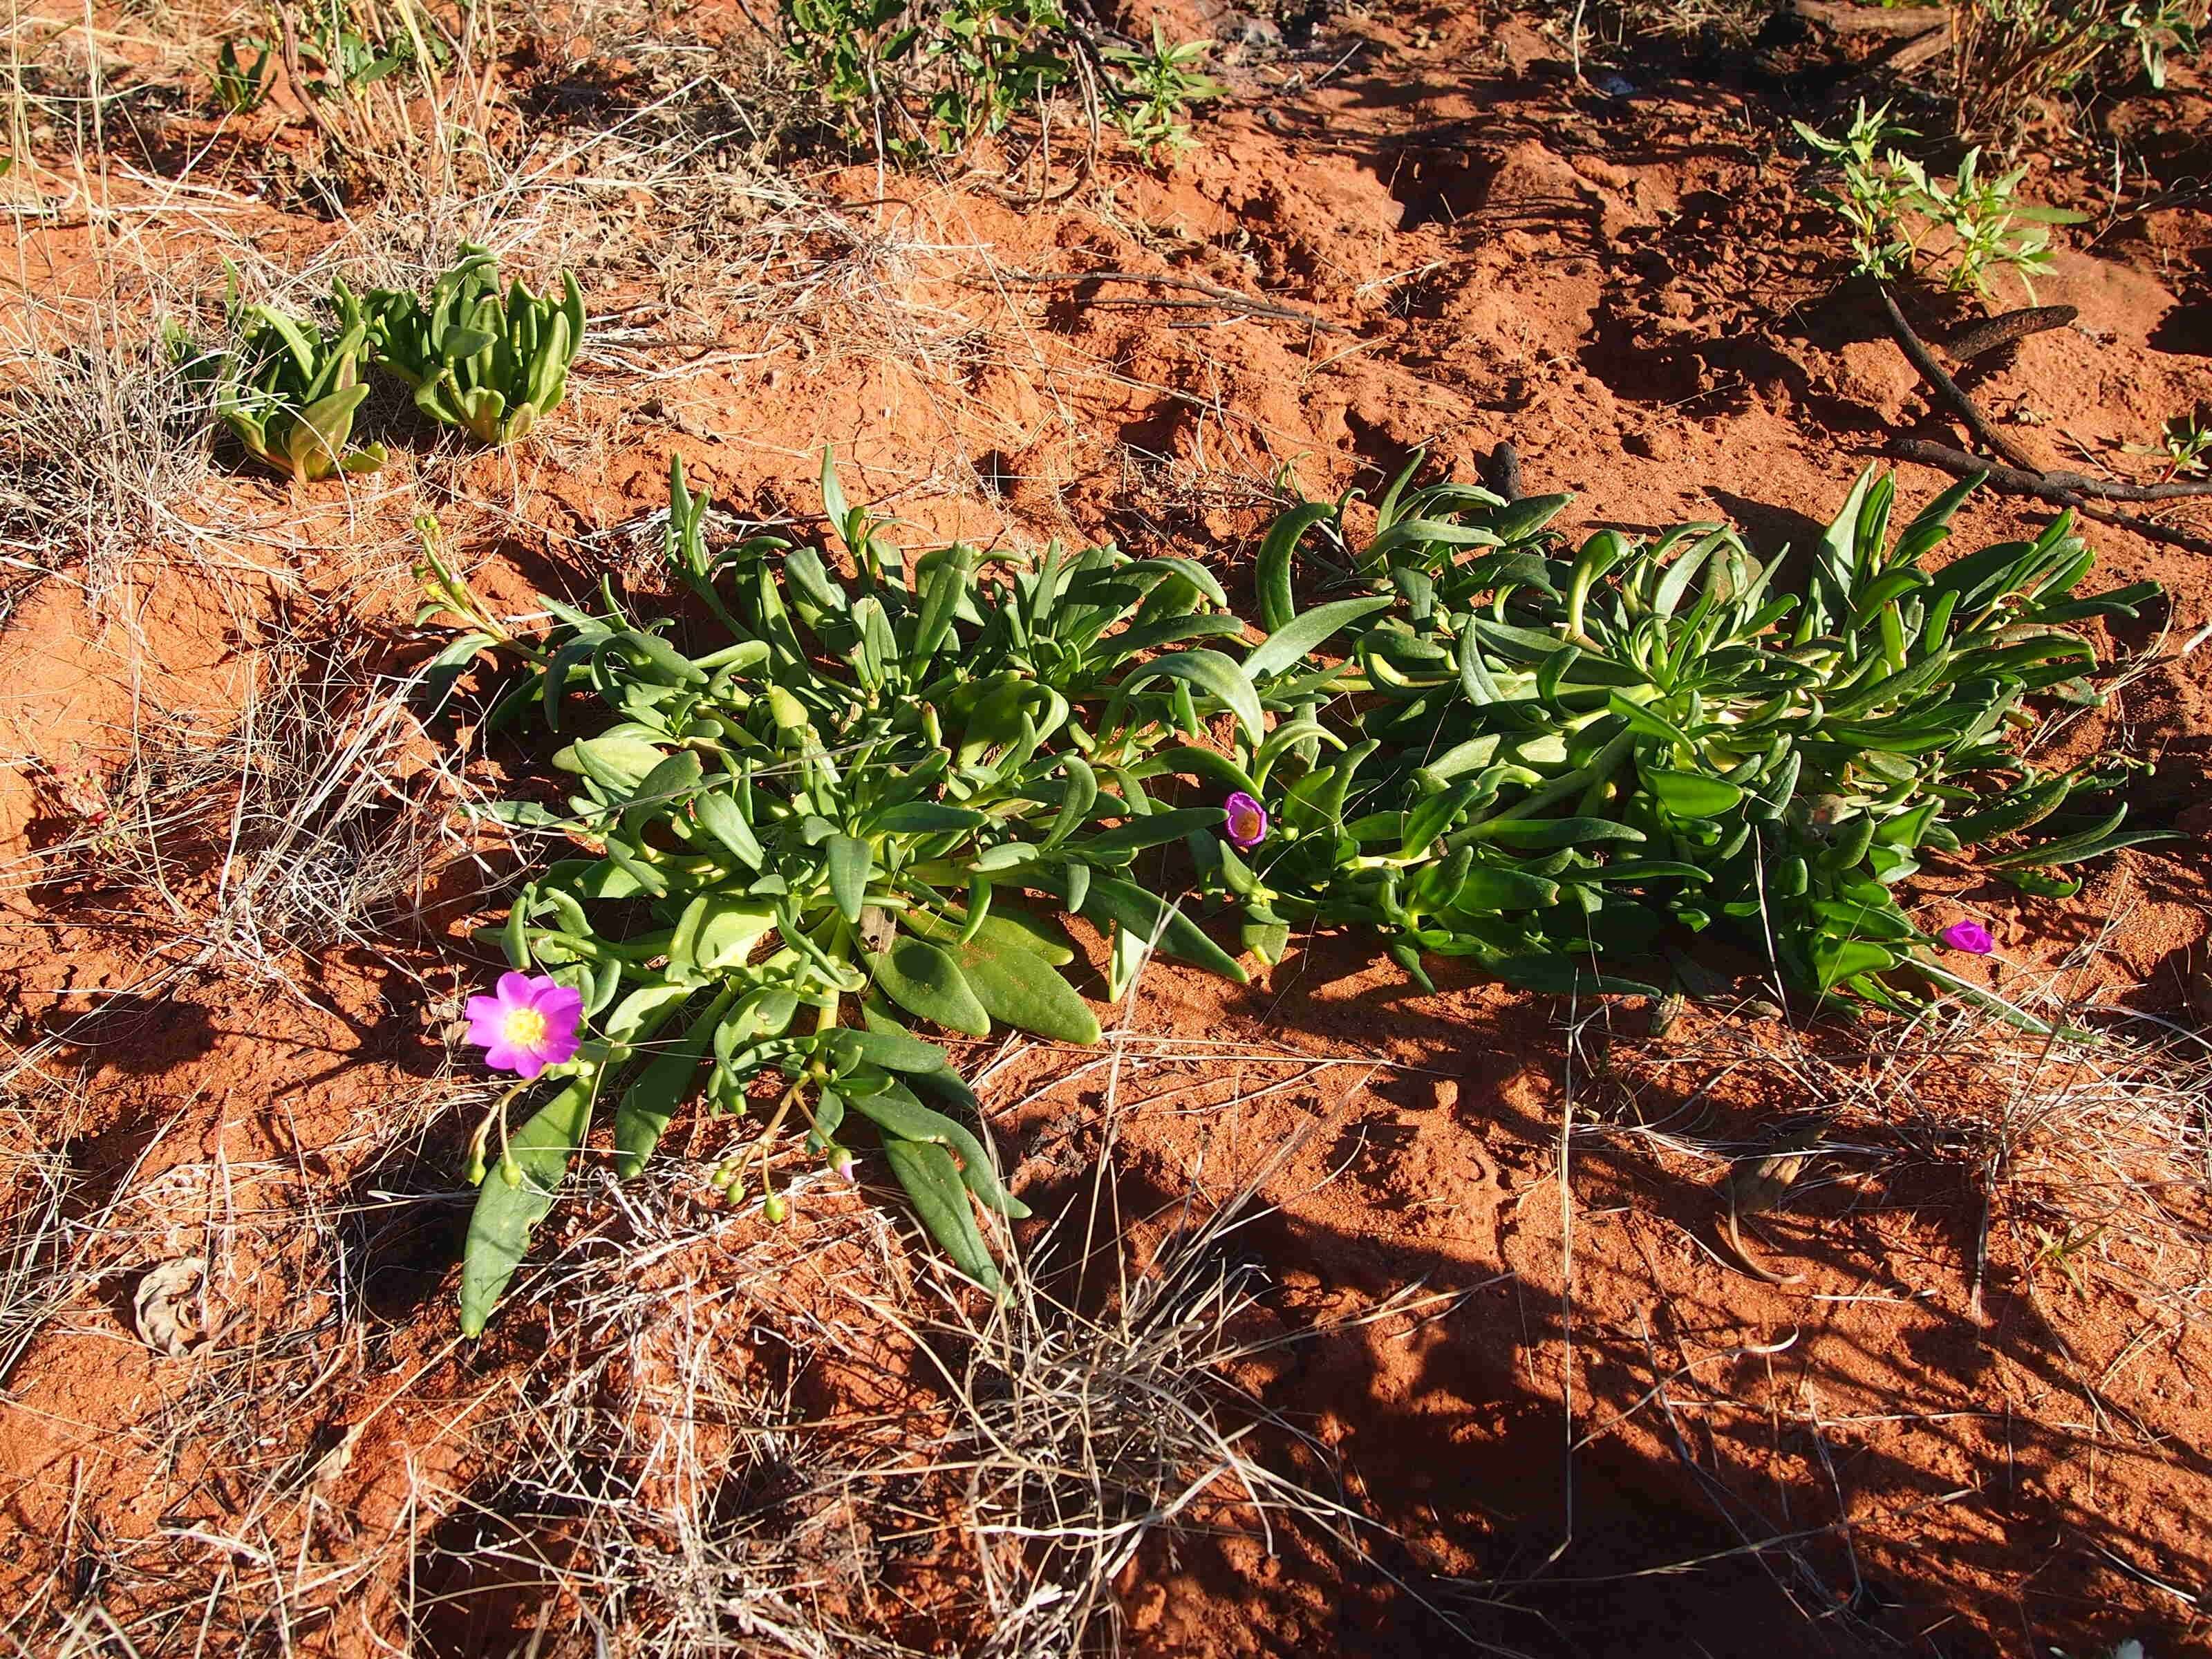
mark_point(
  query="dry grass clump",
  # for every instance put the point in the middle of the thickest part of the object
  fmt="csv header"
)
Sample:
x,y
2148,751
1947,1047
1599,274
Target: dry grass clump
x,y
2088,1151
293,1263
2012,60
102,448
316,818
784,1444
710,1440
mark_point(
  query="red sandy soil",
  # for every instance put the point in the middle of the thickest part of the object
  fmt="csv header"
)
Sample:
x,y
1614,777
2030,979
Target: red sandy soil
x,y
1591,1435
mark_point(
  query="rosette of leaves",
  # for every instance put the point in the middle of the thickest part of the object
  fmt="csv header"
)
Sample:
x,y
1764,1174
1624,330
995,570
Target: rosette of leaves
x,y
291,389
493,365
836,820
1563,764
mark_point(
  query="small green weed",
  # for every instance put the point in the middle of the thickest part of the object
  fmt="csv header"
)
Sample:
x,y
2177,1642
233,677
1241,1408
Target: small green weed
x,y
351,59
241,88
2186,442
1158,88
493,367
1900,218
910,81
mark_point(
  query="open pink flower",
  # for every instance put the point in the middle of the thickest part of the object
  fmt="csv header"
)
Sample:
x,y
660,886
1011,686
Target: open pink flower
x,y
1970,937
1248,819
530,1024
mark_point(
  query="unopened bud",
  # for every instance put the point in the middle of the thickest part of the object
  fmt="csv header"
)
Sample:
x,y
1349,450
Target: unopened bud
x,y
774,1208
841,1162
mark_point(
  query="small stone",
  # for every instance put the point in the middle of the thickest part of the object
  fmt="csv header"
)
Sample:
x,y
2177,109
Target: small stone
x,y
1444,1093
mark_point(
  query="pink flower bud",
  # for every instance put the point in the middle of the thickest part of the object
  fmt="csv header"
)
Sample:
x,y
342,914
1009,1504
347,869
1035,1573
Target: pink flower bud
x,y
1970,937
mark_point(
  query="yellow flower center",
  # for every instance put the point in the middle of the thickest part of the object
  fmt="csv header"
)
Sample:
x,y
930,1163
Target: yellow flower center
x,y
525,1028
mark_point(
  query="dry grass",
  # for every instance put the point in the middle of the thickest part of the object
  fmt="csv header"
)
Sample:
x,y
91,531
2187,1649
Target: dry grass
x,y
317,817
2012,61
701,1437
2088,1149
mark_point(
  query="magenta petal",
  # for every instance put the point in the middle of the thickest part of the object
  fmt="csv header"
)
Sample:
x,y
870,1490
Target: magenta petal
x,y
526,1063
558,1003
514,989
486,1017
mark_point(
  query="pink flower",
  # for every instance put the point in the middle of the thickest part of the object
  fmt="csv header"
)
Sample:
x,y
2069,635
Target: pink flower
x,y
1248,819
529,1025
1970,937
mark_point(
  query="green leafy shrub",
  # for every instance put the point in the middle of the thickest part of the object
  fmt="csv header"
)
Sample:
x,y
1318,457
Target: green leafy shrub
x,y
1893,209
290,390
1563,767
493,367
790,844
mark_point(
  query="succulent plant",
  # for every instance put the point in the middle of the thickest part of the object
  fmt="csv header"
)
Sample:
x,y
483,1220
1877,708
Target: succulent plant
x,y
494,365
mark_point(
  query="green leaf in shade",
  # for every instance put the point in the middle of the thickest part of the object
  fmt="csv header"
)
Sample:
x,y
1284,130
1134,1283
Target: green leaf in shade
x,y
924,817
1538,833
642,1116
499,1230
895,1051
1691,794
894,1111
1835,961
933,1184
851,862
922,979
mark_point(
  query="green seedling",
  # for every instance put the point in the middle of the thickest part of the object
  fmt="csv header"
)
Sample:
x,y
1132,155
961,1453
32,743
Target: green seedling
x,y
493,367
1156,88
1900,218
2185,444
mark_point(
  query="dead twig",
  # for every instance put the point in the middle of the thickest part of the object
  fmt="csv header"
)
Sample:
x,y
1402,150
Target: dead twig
x,y
1227,297
1940,382
2014,481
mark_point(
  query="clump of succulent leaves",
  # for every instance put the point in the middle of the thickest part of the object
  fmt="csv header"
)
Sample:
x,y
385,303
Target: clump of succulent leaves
x,y
290,389
865,799
860,803
1567,765
492,364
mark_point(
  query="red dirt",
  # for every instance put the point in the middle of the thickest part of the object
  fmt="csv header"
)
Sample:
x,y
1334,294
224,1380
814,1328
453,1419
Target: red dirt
x,y
1966,1447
